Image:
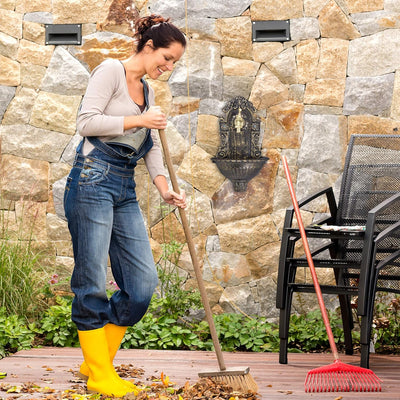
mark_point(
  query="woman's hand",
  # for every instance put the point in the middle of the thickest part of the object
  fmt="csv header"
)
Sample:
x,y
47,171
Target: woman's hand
x,y
169,196
154,118
174,198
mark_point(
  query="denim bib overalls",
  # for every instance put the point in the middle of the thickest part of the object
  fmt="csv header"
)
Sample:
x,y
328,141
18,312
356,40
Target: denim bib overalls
x,y
105,221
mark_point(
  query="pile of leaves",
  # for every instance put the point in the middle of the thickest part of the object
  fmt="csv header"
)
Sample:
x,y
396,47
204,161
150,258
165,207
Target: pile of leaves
x,y
152,388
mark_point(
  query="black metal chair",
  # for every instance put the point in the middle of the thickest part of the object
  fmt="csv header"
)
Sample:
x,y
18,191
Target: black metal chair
x,y
351,241
385,276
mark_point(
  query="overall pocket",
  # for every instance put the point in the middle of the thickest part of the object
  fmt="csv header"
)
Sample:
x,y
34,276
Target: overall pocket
x,y
92,173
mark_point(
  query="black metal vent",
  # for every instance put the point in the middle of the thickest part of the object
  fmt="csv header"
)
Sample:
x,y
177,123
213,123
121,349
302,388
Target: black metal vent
x,y
271,31
63,34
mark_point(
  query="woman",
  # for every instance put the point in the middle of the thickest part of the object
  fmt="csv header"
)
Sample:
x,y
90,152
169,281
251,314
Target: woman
x,y
119,123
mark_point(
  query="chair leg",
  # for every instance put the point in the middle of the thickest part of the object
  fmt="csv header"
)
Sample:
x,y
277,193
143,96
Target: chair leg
x,y
287,249
284,320
283,335
347,320
347,316
366,330
284,293
283,347
365,337
364,361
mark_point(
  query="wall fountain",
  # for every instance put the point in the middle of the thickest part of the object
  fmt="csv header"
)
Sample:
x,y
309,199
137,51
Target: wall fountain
x,y
239,154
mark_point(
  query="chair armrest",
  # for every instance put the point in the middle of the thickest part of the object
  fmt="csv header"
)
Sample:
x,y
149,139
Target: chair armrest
x,y
387,232
385,204
328,192
387,260
370,224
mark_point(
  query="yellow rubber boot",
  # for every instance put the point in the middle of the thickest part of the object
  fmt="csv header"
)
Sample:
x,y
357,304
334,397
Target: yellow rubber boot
x,y
102,377
114,335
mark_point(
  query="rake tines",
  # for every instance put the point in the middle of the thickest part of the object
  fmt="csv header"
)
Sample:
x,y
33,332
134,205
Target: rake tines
x,y
341,377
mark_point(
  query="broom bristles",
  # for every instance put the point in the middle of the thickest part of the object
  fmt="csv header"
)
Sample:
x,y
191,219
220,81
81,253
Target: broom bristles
x,y
239,379
341,377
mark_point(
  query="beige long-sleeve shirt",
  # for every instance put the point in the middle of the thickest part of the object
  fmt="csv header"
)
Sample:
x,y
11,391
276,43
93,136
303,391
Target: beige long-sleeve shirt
x,y
104,106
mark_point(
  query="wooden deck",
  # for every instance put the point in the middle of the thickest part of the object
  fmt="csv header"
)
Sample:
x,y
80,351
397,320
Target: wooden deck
x,y
53,367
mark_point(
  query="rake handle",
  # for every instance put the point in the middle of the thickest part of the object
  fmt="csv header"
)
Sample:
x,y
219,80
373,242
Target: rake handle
x,y
192,251
310,261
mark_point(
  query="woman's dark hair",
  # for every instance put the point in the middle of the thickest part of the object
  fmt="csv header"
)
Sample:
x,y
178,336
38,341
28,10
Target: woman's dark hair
x,y
157,29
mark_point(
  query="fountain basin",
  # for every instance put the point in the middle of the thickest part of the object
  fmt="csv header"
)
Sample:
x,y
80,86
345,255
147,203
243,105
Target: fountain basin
x,y
239,172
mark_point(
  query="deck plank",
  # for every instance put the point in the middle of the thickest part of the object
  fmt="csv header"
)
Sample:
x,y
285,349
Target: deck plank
x,y
53,367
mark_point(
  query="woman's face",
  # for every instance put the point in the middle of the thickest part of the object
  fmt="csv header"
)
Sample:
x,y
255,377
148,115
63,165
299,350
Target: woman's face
x,y
163,59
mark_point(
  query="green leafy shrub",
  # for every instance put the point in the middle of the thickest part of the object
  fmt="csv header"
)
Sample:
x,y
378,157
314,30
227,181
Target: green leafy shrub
x,y
307,333
57,328
161,328
386,326
15,335
236,333
159,333
241,333
155,331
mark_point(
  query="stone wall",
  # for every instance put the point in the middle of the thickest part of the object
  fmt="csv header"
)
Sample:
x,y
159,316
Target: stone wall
x,y
338,75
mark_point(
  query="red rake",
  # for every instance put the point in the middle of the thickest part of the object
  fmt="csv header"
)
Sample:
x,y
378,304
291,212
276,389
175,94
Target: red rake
x,y
336,377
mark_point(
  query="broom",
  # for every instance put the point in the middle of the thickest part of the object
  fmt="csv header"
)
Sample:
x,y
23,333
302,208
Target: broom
x,y
238,378
337,376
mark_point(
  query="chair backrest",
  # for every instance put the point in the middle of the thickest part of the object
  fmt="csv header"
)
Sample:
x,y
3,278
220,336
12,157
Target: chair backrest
x,y
371,175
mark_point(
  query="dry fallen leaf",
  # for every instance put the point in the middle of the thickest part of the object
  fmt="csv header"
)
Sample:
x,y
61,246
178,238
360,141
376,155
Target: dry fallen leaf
x,y
152,388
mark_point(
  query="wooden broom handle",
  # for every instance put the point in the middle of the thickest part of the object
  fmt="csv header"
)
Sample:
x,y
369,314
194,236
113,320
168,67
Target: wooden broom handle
x,y
192,251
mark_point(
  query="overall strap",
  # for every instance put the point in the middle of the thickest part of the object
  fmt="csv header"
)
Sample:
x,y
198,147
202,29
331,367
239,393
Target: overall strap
x,y
146,93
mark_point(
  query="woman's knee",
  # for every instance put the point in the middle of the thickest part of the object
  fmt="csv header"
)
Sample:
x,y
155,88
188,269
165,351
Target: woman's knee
x,y
134,312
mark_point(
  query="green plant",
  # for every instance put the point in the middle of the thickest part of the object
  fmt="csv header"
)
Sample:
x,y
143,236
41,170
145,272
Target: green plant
x,y
237,332
386,326
173,299
14,334
307,332
158,329
56,287
160,333
242,333
56,327
21,279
